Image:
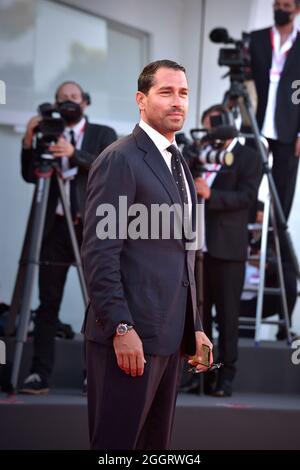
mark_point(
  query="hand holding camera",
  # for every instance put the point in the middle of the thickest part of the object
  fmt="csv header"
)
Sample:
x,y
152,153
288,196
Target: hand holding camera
x,y
30,130
62,148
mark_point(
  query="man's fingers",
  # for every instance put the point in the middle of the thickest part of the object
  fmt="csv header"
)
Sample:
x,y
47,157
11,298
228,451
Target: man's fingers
x,y
126,364
120,360
140,364
211,358
133,365
201,368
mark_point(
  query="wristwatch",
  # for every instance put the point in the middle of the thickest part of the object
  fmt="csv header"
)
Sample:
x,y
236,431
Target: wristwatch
x,y
123,328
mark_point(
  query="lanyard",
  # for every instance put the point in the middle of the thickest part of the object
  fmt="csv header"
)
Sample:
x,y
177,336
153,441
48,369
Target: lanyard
x,y
276,53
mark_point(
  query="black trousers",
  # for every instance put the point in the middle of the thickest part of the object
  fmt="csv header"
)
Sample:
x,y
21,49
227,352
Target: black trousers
x,y
223,284
56,248
129,413
284,171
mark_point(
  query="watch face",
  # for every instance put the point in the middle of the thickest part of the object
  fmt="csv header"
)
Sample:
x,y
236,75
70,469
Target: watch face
x,y
122,329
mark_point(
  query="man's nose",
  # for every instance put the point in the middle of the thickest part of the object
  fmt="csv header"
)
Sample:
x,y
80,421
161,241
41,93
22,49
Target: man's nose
x,y
177,101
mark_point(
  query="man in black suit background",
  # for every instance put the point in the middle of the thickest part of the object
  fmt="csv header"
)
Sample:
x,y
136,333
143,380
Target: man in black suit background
x,y
143,313
275,64
229,192
77,148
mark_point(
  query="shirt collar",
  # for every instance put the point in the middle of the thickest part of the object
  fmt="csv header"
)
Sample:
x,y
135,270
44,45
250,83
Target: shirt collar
x,y
77,128
159,140
290,40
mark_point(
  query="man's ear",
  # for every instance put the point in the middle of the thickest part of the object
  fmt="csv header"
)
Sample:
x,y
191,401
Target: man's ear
x,y
140,99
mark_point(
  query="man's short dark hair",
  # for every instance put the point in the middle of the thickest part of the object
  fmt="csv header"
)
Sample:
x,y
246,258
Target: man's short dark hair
x,y
69,82
145,81
215,109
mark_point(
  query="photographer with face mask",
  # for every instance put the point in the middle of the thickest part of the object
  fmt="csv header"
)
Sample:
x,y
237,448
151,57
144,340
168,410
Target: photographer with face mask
x,y
229,192
76,149
275,66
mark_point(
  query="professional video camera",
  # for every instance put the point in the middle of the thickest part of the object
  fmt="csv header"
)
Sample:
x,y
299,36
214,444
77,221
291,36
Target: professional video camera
x,y
208,145
49,129
236,58
52,125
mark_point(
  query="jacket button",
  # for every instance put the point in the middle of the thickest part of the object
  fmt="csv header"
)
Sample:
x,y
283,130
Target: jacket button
x,y
98,321
186,283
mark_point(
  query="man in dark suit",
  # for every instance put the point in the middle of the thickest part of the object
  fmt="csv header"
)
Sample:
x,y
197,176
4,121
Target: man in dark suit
x,y
229,193
275,65
142,314
76,149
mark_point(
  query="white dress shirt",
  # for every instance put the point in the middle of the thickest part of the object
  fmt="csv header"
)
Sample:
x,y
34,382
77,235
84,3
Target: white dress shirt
x,y
278,61
162,143
67,172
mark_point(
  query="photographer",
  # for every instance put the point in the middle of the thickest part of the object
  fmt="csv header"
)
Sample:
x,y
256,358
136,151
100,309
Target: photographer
x,y
228,192
75,150
275,66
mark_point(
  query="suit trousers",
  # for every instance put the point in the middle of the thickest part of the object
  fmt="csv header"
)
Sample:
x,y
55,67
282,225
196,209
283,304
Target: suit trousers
x,y
284,171
56,248
129,413
223,284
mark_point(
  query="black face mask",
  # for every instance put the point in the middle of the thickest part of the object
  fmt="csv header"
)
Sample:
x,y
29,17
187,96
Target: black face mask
x,y
70,111
282,17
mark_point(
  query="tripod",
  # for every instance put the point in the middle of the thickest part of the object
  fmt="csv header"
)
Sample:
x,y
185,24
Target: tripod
x,y
238,90
30,255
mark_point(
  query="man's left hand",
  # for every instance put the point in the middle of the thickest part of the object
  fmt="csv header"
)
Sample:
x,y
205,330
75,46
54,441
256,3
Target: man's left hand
x,y
201,339
62,148
202,188
297,147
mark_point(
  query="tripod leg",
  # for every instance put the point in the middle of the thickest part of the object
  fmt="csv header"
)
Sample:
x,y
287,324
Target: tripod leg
x,y
282,223
281,278
73,240
18,292
262,269
40,201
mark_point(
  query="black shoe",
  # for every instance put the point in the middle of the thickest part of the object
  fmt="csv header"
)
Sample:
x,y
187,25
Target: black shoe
x,y
209,382
192,386
223,389
35,385
281,335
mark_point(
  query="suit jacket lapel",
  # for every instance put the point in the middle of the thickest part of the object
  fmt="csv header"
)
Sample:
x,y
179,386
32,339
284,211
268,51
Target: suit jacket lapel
x,y
192,191
87,135
292,55
155,161
267,46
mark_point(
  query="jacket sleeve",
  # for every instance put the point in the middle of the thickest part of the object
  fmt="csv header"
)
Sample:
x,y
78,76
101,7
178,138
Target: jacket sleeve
x,y
101,256
84,159
246,191
27,165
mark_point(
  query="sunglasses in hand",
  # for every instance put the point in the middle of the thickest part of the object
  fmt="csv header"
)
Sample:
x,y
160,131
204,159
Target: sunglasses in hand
x,y
214,366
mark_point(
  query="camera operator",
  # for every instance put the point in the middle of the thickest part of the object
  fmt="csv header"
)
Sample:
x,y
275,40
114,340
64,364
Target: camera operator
x,y
275,65
76,149
228,192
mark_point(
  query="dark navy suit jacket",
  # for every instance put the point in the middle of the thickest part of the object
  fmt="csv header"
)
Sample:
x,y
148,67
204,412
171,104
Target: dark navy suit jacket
x,y
144,282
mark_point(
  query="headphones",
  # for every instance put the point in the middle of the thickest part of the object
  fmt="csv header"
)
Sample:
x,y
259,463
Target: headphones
x,y
85,95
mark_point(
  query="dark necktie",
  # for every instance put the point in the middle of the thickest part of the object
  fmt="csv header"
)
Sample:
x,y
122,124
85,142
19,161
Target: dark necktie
x,y
73,192
177,172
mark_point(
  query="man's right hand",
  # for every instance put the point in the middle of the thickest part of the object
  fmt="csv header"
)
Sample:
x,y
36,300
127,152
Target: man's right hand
x,y
130,354
32,124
